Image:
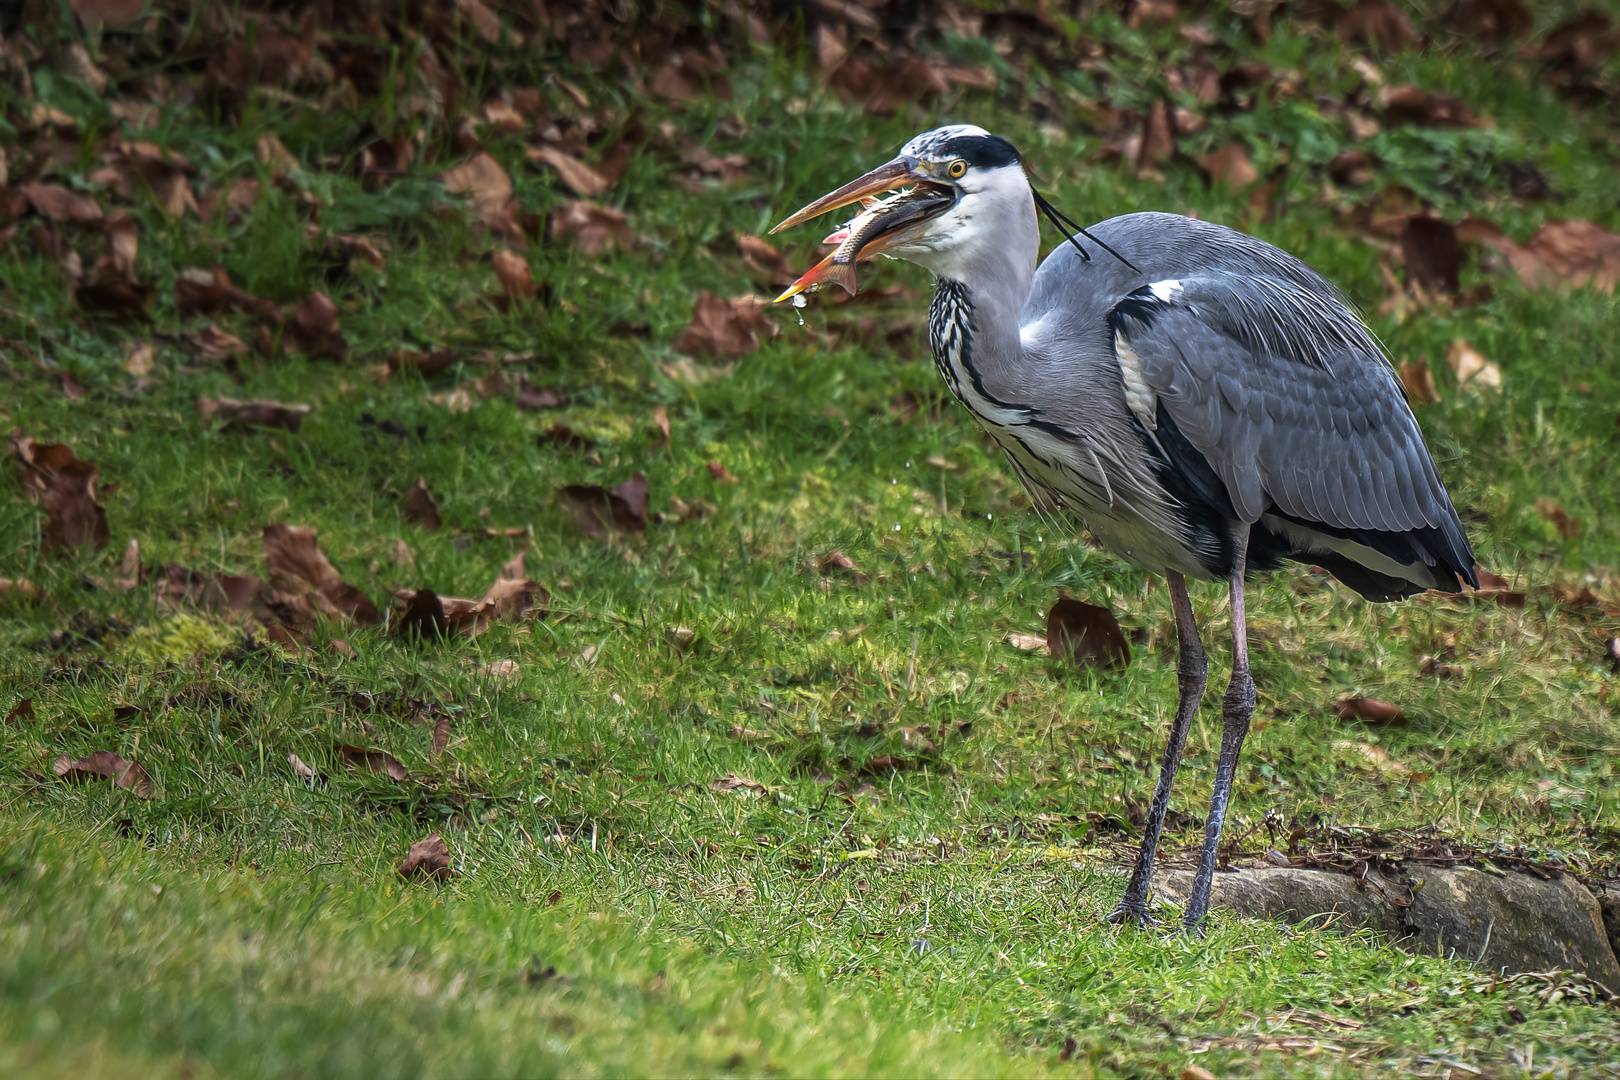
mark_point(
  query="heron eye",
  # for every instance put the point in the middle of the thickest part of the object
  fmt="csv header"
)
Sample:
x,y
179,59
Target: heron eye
x,y
957,169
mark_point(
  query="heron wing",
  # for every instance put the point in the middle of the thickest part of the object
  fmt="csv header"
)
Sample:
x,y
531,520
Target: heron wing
x,y
1287,399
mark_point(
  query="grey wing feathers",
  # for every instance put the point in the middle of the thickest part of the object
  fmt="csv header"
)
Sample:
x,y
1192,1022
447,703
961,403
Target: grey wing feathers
x,y
1288,398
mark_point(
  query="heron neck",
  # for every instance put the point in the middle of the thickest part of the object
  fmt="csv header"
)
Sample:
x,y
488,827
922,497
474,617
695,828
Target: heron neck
x,y
982,306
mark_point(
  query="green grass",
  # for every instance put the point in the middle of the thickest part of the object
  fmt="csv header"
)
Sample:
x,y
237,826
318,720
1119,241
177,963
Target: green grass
x,y
943,917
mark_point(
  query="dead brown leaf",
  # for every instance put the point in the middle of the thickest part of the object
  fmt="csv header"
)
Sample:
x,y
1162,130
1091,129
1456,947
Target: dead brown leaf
x,y
721,473
485,183
836,563
1230,165
1488,20
314,329
767,265
19,591
1027,642
133,168
106,765
59,204
1376,756
138,358
1086,634
303,580
1497,588
1412,105
300,770
441,735
1471,367
66,487
212,343
513,271
205,292
595,228
533,398
360,759
1370,709
21,712
421,508
1429,249
111,14
732,782
1434,667
1568,527
726,328
1376,22
511,597
242,415
1419,381
428,858
583,180
600,512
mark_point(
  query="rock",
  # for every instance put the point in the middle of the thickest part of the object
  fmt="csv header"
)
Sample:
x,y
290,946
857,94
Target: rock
x,y
1506,921
1608,897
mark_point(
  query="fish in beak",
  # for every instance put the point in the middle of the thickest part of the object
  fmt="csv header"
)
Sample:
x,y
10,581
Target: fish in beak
x,y
882,223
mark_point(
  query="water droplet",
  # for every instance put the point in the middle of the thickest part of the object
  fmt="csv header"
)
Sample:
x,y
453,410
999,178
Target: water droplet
x,y
908,464
897,526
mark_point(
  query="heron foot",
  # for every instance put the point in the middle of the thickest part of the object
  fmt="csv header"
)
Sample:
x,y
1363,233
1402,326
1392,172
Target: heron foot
x,y
1134,914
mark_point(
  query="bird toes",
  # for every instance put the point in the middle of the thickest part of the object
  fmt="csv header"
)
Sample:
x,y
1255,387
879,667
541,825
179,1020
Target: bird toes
x,y
1134,914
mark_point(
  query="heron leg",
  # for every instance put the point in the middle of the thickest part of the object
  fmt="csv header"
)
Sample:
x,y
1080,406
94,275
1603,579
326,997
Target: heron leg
x,y
1236,708
1192,669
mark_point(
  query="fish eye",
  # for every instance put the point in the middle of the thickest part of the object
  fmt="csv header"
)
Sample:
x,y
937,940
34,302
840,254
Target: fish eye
x,y
956,169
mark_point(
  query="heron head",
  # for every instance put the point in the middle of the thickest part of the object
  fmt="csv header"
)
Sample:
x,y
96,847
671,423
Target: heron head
x,y
957,187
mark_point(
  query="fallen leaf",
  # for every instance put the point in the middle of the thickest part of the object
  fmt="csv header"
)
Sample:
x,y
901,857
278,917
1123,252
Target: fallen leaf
x,y
133,169
72,389
341,647
513,271
836,563
111,14
300,572
566,437
594,228
1496,588
1471,367
421,508
485,183
314,329
1371,709
441,735
1158,142
242,415
511,597
1376,22
501,669
138,358
300,770
1577,49
1419,381
1488,20
66,487
22,711
205,292
1376,756
1191,1072
212,343
360,759
725,328
428,858
1568,527
1085,633
106,765
721,473
1429,249
1027,642
767,265
583,180
732,782
59,204
681,637
1411,105
600,512
1230,165
533,398
19,591
1436,668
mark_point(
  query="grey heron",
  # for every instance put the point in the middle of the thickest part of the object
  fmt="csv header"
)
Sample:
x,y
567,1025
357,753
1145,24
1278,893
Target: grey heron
x,y
1204,403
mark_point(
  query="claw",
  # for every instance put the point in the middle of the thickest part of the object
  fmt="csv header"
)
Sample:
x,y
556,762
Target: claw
x,y
1133,914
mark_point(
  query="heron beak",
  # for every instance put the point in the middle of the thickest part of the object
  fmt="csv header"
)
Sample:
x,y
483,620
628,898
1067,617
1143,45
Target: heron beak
x,y
896,173
839,267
